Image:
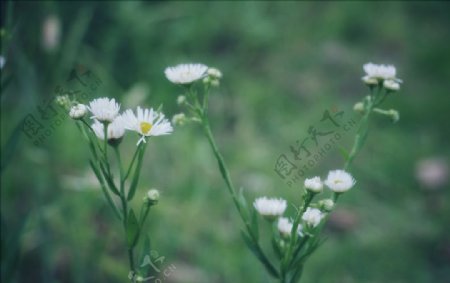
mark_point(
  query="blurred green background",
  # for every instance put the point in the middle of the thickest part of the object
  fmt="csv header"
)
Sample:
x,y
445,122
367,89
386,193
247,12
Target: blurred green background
x,y
284,63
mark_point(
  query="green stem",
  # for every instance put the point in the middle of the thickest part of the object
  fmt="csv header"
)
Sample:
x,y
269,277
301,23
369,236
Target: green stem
x,y
360,137
125,209
294,235
226,177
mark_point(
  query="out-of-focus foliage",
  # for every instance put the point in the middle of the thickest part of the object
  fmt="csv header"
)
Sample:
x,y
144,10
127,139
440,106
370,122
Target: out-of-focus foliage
x,y
284,63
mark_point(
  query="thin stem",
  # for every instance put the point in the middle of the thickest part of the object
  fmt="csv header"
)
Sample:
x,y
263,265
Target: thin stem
x,y
125,209
307,200
226,177
132,162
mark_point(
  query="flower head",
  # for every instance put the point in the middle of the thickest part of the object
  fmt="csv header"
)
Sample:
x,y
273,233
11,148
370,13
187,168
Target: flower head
x,y
146,122
78,111
186,73
270,207
314,184
312,216
391,85
339,181
104,109
284,226
383,72
115,131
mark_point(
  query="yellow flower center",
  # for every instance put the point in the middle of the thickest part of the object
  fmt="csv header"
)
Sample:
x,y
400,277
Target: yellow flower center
x,y
145,127
337,181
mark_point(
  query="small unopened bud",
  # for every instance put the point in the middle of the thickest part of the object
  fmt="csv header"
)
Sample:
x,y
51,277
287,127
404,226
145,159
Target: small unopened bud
x,y
152,196
63,101
359,107
78,111
395,116
206,80
326,205
391,85
368,80
215,83
179,119
214,73
181,100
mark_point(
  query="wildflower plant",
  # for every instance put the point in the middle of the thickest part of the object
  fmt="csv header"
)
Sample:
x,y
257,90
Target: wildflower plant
x,y
294,238
104,128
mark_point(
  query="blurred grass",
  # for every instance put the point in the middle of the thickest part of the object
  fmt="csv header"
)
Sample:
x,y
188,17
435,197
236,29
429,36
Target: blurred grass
x,y
284,63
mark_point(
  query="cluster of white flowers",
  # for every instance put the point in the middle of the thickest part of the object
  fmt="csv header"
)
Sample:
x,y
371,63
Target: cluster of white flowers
x,y
337,181
186,74
105,111
385,74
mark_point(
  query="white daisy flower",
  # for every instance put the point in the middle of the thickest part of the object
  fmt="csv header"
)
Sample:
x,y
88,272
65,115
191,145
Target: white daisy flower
x,y
383,72
284,226
339,181
104,109
314,184
312,216
78,111
270,207
115,131
186,73
146,122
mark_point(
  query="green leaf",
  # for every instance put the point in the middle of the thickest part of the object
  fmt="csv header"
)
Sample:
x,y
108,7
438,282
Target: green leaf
x,y
277,248
297,274
254,224
344,153
109,180
243,204
254,247
96,172
132,229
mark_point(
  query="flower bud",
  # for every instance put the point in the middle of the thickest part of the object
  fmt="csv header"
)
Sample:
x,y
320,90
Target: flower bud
x,y
369,80
359,107
214,73
78,111
215,82
181,100
391,85
152,196
326,205
63,101
395,116
179,119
